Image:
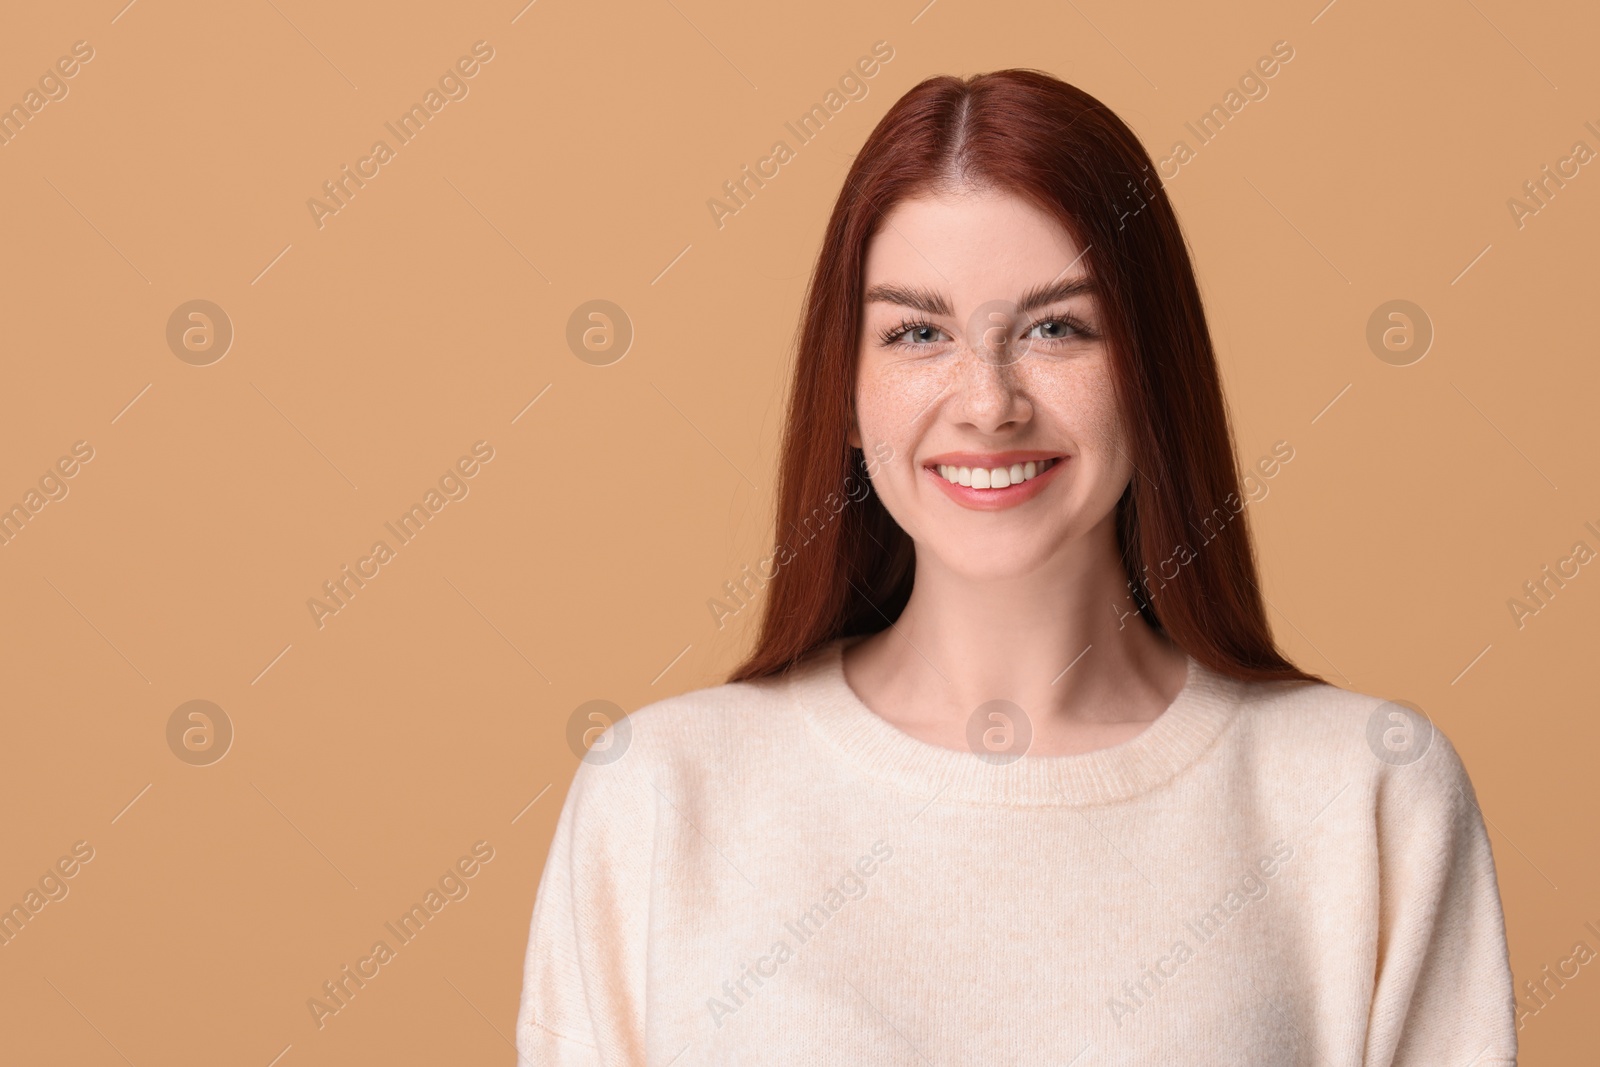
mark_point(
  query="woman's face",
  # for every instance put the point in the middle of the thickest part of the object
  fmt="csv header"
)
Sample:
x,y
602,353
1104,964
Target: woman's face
x,y
983,348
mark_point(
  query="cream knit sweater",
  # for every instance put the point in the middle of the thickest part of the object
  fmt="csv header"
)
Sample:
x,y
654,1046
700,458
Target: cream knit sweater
x,y
1268,874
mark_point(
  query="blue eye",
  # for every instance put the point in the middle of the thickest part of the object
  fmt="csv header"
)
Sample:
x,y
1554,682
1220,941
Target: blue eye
x,y
892,338
918,334
1062,327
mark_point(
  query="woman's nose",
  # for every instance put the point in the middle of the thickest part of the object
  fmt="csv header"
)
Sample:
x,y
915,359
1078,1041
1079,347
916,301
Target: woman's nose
x,y
989,387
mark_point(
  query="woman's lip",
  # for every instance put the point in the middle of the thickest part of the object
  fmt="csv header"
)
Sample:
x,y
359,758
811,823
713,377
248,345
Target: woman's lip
x,y
988,460
996,499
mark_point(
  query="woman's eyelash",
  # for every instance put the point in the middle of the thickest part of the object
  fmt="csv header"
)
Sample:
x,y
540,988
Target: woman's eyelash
x,y
1079,327
891,337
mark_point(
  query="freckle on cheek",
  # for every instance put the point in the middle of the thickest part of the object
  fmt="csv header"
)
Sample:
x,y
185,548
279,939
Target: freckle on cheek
x,y
891,401
918,391
1088,405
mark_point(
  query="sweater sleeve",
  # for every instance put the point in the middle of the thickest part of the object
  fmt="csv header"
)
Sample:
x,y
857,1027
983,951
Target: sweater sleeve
x,y
1443,992
584,971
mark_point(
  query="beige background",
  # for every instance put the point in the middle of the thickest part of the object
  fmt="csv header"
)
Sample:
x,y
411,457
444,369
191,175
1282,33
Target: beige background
x,y
369,354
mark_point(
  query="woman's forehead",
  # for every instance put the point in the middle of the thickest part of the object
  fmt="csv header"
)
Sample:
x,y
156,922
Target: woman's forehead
x,y
970,247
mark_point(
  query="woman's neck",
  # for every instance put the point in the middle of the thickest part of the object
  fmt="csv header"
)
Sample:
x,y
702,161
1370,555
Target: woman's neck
x,y
1066,646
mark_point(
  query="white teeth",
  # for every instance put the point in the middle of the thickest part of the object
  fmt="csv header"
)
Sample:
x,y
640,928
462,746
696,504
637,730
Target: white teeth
x,y
997,477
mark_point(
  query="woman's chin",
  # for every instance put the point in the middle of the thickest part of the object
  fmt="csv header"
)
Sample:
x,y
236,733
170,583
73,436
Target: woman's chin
x,y
991,559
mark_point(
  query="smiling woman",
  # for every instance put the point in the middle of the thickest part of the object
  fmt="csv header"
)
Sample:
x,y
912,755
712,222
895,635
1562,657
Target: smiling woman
x,y
969,666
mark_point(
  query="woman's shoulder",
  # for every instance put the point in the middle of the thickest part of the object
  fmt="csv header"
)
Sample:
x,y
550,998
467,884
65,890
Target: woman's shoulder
x,y
1302,727
702,728
725,710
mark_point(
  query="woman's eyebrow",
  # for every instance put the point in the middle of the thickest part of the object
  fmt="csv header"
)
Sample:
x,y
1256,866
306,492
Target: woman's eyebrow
x,y
932,303
925,300
1050,292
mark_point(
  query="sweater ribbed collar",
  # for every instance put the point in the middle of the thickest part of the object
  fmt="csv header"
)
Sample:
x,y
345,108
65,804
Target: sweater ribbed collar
x,y
1177,738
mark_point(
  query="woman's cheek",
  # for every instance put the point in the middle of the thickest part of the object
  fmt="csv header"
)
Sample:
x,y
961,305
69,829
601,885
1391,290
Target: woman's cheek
x,y
1083,399
1099,435
1104,424
893,401
885,431
924,377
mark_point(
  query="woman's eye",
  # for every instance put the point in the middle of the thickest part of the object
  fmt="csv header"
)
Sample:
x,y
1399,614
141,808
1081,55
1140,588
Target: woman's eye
x,y
1054,330
916,336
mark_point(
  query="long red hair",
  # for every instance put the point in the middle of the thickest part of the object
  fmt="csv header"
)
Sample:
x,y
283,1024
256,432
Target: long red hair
x,y
844,566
